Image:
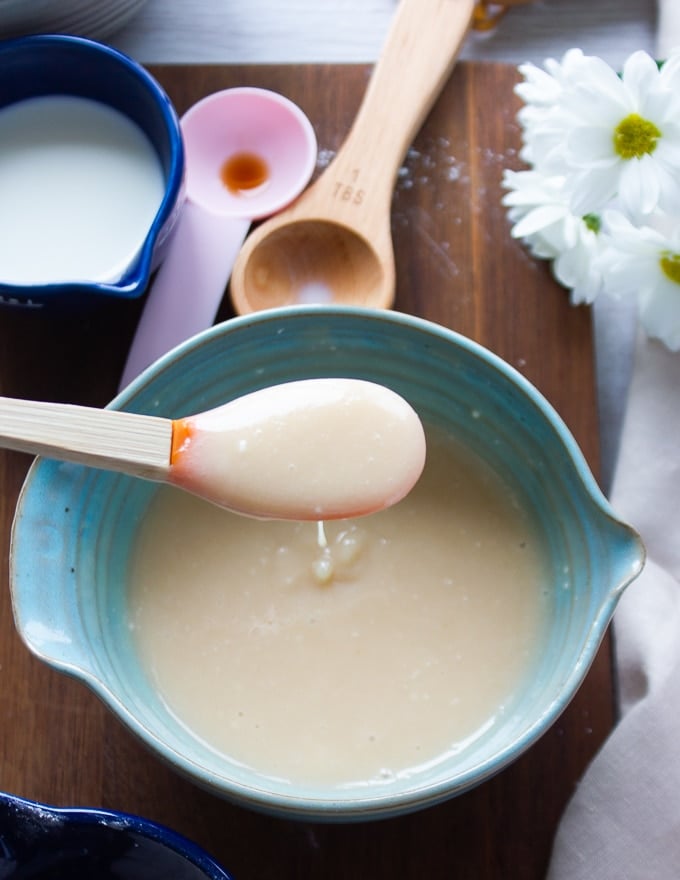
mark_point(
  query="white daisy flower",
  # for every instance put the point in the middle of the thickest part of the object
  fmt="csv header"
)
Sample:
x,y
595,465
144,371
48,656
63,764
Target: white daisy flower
x,y
545,118
539,212
600,145
624,138
643,263
539,209
542,88
577,268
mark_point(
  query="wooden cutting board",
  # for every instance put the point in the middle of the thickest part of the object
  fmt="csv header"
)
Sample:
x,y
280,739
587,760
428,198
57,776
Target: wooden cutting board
x,y
457,265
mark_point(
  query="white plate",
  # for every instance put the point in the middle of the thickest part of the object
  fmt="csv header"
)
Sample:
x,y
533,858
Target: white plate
x,y
87,18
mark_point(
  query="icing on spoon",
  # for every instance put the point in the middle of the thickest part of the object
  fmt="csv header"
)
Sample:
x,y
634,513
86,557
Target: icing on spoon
x,y
315,449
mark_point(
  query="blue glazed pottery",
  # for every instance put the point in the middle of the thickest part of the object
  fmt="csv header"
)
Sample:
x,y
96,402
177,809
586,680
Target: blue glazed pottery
x,y
75,527
43,65
49,843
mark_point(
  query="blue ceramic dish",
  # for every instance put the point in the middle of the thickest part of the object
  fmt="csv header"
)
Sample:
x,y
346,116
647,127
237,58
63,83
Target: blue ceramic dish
x,y
50,843
59,64
75,527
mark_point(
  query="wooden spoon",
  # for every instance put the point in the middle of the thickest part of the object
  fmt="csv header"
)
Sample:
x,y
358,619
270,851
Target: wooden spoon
x,y
334,243
315,449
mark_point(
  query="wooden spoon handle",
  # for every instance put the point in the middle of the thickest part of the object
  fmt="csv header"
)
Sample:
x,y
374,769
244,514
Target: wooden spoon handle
x,y
417,58
135,444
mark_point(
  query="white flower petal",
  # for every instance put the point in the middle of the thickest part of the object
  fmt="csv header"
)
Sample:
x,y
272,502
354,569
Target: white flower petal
x,y
577,268
592,188
590,143
670,70
538,86
665,226
660,314
537,219
543,87
618,278
639,186
667,153
640,74
661,107
669,197
598,90
541,248
635,241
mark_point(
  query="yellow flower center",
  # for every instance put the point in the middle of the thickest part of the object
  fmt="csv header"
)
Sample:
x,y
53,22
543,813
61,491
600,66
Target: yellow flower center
x,y
670,266
634,137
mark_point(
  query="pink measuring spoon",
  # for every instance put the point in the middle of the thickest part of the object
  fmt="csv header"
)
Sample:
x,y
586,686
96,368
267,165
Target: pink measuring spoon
x,y
249,153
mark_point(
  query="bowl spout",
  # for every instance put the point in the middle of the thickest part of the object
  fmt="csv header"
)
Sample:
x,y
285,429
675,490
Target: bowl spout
x,y
627,555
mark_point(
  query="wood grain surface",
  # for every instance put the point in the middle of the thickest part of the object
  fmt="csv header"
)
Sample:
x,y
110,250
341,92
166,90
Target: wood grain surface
x,y
456,265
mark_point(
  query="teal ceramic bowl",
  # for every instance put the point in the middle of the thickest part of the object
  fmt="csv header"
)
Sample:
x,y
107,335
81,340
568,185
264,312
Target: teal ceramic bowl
x,y
75,527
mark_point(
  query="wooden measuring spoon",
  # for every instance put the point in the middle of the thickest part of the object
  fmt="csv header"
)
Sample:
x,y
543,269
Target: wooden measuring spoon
x,y
334,243
315,449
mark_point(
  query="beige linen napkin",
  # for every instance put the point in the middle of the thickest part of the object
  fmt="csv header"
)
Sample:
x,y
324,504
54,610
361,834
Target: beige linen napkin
x,y
623,822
